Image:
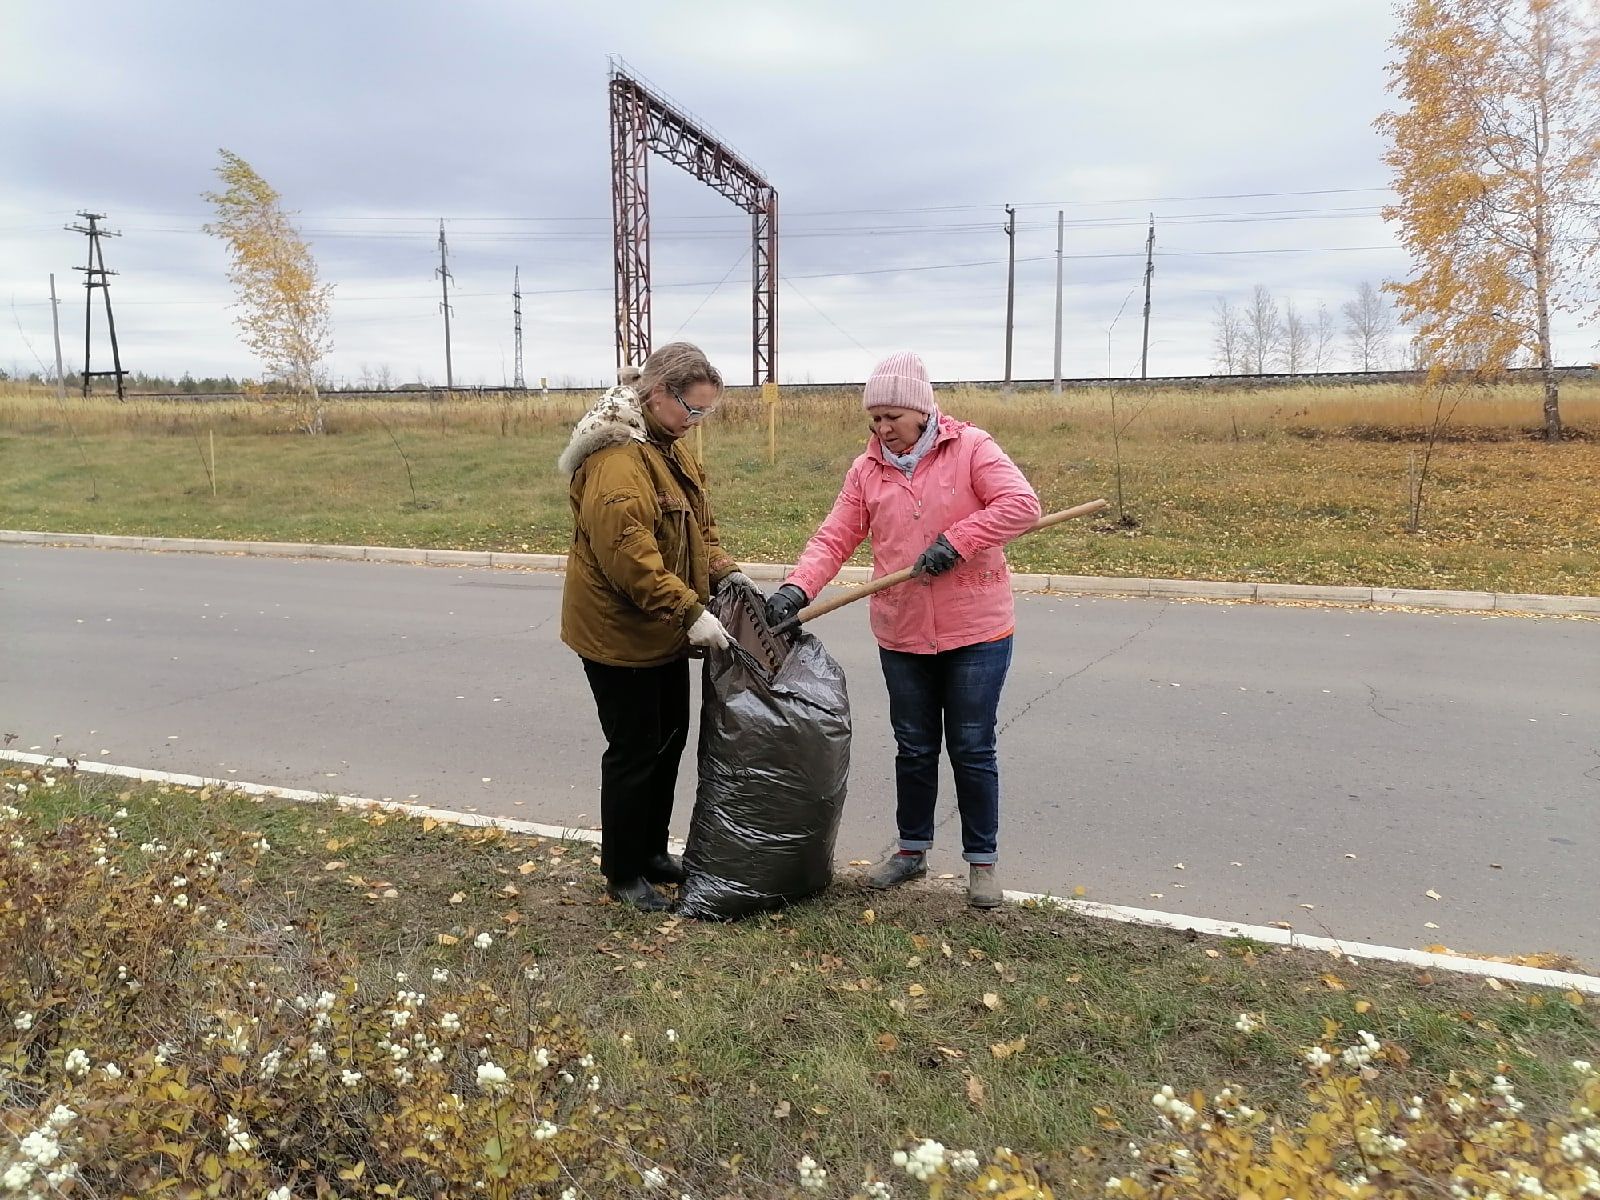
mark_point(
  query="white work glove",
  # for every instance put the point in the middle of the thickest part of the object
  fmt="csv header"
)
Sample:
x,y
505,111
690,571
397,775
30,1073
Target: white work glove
x,y
737,579
708,631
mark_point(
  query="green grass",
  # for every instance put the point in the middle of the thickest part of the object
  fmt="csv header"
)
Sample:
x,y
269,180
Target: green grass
x,y
861,1019
1288,485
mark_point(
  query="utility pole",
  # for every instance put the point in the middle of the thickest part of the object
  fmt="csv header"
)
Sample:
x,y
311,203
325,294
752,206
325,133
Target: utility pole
x,y
1149,270
1061,234
516,308
443,272
97,277
1011,284
55,324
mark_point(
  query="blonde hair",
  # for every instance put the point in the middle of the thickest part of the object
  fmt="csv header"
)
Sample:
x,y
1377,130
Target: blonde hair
x,y
678,365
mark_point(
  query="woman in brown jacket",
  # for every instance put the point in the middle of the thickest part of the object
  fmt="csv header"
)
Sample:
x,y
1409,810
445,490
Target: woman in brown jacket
x,y
645,560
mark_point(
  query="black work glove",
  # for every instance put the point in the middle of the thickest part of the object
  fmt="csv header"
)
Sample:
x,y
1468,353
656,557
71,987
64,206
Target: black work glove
x,y
937,558
785,603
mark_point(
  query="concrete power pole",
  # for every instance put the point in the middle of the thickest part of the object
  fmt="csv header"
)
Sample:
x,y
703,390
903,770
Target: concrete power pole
x,y
1149,270
55,322
1061,233
1011,283
443,272
516,308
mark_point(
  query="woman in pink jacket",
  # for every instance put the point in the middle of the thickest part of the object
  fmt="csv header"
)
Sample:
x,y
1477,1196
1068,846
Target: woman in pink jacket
x,y
939,494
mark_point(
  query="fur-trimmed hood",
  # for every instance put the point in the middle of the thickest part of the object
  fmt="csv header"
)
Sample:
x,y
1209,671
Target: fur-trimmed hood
x,y
616,418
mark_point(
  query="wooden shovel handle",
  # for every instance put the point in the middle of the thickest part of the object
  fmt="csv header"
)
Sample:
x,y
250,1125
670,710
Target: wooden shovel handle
x,y
822,607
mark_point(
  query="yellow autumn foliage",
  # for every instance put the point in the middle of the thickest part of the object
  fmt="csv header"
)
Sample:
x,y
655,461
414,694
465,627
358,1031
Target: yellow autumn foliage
x,y
283,310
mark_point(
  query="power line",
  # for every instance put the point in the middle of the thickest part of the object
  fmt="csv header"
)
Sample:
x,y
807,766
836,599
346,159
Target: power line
x,y
838,212
917,268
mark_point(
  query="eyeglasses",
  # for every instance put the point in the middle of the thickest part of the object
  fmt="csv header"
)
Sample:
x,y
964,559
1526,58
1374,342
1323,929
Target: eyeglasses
x,y
695,414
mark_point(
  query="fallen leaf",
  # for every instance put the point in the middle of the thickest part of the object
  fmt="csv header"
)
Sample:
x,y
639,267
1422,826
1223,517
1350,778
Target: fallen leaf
x,y
448,939
860,862
528,868
916,989
888,1043
1495,984
991,1001
975,1092
1080,891
1178,867
1280,924
1349,855
334,844
1432,895
781,1109
510,890
1363,1006
1008,1049
458,898
1429,925
334,864
868,917
1213,954
898,1005
429,824
1333,983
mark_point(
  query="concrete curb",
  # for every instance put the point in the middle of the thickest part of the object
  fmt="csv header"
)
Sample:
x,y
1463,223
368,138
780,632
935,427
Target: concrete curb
x,y
1271,935
1088,585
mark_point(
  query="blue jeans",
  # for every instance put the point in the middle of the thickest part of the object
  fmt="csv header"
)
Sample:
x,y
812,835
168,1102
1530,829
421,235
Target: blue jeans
x,y
954,696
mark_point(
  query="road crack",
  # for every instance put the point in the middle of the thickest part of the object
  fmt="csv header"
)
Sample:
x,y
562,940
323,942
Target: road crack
x,y
1090,665
1372,703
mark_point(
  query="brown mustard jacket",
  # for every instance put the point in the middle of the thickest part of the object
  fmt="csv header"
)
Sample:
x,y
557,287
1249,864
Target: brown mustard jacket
x,y
646,554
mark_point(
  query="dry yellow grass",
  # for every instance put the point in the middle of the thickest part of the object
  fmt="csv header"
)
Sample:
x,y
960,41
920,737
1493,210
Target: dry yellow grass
x,y
1297,485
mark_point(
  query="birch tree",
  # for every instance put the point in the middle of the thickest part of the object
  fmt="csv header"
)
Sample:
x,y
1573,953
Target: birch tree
x,y
1296,340
1263,331
1368,328
1495,149
1322,339
282,310
1227,336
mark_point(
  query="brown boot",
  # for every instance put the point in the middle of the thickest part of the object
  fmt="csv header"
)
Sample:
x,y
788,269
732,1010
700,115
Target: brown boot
x,y
983,886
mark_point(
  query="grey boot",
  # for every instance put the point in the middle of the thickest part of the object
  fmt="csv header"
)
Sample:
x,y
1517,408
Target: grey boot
x,y
896,869
983,886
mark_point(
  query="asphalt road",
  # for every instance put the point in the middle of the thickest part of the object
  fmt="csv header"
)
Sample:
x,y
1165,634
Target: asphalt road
x,y
1325,767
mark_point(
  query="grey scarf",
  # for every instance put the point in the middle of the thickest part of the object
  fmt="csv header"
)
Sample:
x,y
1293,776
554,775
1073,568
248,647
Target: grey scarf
x,y
908,461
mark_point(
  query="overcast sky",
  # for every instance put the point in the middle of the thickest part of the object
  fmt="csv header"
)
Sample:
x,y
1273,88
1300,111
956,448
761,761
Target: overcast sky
x,y
893,131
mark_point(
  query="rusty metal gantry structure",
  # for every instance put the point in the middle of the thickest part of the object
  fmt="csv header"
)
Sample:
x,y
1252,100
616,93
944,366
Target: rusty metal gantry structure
x,y
643,120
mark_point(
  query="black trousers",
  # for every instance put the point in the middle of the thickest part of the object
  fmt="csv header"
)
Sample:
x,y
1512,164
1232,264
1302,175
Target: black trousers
x,y
644,713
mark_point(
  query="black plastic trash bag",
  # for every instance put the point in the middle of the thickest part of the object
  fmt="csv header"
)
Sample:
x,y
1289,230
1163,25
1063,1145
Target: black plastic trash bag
x,y
774,762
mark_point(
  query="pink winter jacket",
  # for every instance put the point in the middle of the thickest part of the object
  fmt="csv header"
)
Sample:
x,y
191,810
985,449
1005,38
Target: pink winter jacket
x,y
966,488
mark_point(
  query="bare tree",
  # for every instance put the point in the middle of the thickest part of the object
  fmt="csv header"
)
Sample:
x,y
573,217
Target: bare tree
x,y
1322,339
1227,336
1368,327
1296,342
1263,331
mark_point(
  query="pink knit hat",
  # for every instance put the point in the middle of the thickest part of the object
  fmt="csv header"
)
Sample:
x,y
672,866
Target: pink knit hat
x,y
899,381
